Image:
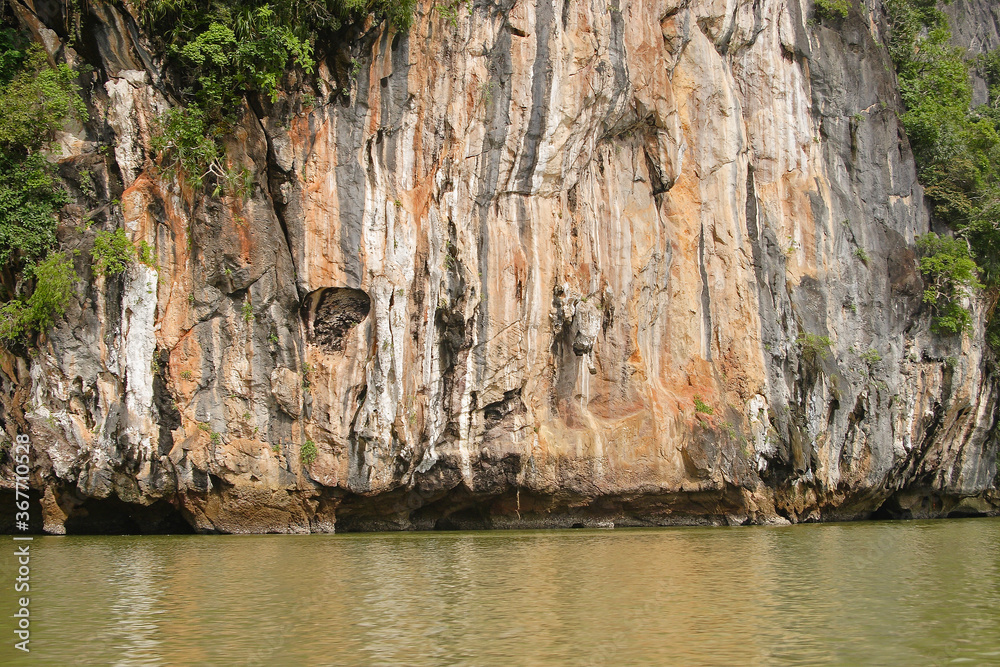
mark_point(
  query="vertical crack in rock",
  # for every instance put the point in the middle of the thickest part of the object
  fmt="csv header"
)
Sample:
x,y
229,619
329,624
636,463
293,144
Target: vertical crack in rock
x,y
616,50
394,95
351,177
706,303
167,416
275,176
753,231
541,91
497,124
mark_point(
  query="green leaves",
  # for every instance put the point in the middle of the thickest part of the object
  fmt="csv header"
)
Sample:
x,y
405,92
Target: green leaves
x,y
29,198
186,140
227,49
112,253
36,99
813,346
957,150
308,452
832,9
934,84
54,279
950,275
36,102
53,288
223,50
13,51
213,48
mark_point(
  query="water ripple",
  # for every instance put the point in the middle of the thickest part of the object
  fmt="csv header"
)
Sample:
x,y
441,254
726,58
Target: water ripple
x,y
866,593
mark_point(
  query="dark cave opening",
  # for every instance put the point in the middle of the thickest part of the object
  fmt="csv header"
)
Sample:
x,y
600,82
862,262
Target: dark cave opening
x,y
330,313
113,516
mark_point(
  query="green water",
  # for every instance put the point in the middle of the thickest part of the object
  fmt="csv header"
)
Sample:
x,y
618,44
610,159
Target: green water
x,y
908,593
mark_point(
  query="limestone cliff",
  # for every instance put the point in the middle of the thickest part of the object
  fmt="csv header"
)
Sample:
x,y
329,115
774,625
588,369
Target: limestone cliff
x,y
548,264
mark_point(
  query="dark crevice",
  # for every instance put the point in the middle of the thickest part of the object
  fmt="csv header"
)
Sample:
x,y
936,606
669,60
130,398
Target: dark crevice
x,y
511,403
541,90
112,516
273,176
706,303
168,417
659,185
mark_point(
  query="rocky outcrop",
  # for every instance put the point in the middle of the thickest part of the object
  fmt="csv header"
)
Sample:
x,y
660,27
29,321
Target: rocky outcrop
x,y
554,264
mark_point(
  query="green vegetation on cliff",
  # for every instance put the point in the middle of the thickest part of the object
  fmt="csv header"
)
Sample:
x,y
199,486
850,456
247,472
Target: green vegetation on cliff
x,y
833,9
957,150
309,452
53,277
112,253
949,277
36,99
223,50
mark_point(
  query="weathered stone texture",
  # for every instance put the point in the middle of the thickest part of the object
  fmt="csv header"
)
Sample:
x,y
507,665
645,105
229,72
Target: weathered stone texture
x,y
572,221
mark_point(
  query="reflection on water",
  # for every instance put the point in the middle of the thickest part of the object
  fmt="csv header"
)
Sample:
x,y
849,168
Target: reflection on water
x,y
873,593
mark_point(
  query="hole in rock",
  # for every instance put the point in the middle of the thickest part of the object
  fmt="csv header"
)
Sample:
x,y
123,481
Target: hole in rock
x,y
330,313
112,516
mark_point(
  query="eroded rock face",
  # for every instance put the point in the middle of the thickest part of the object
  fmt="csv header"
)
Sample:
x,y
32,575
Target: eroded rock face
x,y
548,267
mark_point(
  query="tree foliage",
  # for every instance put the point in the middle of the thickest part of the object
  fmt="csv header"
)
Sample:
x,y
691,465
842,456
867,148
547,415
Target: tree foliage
x,y
950,275
224,50
29,199
54,279
957,150
36,100
833,9
309,452
813,346
112,253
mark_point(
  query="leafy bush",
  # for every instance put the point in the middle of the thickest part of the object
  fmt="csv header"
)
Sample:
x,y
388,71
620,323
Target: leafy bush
x,y
147,254
12,322
223,50
814,346
188,143
701,406
13,51
29,199
309,452
957,150
112,253
37,101
871,357
950,275
54,279
226,64
833,8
